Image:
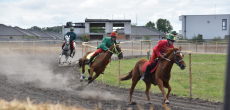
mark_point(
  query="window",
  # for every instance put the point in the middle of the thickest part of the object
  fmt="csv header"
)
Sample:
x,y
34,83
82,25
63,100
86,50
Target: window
x,y
224,24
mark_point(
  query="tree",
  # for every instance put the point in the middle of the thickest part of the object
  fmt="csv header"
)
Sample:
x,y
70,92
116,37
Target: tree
x,y
163,25
150,25
198,38
147,37
216,38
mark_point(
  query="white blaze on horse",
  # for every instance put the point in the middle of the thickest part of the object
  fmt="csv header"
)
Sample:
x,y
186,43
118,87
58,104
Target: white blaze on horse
x,y
66,50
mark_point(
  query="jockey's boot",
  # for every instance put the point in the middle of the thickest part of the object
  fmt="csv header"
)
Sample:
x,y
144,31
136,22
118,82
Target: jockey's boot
x,y
90,61
71,53
148,68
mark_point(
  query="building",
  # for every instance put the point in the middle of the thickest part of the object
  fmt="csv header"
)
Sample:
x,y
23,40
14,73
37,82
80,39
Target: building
x,y
99,28
140,32
8,33
208,26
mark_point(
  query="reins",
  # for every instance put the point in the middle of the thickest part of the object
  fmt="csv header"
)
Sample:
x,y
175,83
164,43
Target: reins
x,y
116,52
177,62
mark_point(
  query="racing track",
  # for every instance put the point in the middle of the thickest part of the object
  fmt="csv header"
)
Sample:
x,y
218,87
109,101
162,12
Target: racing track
x,y
15,85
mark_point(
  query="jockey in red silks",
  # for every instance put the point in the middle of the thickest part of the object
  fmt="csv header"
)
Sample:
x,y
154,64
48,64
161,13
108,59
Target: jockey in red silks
x,y
107,42
159,50
73,37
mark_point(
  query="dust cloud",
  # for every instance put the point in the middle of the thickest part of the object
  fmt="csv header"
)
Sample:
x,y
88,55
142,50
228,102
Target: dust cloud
x,y
36,70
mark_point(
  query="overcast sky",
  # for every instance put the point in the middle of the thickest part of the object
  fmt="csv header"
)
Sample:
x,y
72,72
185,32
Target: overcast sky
x,y
48,13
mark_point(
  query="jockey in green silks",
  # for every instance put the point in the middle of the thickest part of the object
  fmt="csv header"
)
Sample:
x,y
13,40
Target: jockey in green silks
x,y
106,43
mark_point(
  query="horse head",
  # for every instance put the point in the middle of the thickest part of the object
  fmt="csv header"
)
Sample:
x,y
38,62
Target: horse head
x,y
178,58
67,39
115,49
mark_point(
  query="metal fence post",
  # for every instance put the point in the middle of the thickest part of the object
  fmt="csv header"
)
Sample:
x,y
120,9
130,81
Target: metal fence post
x,y
49,46
203,47
206,46
217,47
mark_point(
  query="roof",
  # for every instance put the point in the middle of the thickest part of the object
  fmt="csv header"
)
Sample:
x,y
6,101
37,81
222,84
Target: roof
x,y
27,32
208,15
41,33
142,30
107,20
9,31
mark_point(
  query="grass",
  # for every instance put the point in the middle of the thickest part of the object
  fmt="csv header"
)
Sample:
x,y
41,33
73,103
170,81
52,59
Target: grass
x,y
208,76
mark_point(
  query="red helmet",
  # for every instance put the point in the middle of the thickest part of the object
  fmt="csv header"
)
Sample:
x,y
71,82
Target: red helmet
x,y
114,34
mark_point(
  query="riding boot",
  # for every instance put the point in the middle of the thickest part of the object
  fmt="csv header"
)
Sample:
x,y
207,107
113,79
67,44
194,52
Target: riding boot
x,y
148,68
90,61
71,53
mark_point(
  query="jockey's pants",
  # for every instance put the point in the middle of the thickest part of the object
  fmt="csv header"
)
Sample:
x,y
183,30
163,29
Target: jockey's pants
x,y
97,52
71,46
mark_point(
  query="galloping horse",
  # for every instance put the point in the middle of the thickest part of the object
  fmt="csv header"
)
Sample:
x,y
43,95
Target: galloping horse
x,y
66,50
101,62
160,76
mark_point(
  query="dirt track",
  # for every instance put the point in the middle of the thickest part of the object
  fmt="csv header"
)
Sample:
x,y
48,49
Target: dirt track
x,y
61,83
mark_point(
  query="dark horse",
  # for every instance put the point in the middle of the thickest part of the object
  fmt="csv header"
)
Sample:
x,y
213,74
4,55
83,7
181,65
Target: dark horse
x,y
100,62
160,76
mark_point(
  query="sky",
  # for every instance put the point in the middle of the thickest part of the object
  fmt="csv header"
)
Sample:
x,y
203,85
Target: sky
x,y
48,13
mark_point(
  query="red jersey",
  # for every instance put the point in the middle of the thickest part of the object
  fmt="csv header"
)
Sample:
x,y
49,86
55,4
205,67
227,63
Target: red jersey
x,y
162,47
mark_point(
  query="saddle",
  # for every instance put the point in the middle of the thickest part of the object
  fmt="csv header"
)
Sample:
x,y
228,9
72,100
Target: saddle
x,y
153,66
89,56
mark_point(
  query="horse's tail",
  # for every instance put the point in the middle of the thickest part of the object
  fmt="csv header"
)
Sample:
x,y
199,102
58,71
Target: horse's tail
x,y
127,77
80,62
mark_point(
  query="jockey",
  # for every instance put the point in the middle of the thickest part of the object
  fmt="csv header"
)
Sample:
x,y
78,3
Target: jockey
x,y
73,38
159,50
106,43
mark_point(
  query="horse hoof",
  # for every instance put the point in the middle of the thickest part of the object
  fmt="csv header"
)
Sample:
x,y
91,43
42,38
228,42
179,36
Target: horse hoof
x,y
149,102
167,102
89,78
132,103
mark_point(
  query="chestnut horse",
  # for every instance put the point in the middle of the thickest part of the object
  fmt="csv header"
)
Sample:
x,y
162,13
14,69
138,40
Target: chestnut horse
x,y
160,76
100,62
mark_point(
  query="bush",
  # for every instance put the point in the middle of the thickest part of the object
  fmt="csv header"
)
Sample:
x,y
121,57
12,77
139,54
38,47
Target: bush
x,y
85,38
198,38
147,37
216,38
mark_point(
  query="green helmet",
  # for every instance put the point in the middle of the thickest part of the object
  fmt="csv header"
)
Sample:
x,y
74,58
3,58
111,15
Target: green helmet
x,y
172,36
71,28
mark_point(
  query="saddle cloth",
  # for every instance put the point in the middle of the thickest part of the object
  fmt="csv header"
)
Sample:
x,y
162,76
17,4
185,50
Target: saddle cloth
x,y
145,65
89,56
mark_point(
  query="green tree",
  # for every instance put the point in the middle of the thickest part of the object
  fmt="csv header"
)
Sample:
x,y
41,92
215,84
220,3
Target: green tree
x,y
163,25
216,38
150,25
198,38
147,37
85,38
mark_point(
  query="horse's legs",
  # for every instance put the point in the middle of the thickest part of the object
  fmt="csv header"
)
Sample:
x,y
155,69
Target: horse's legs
x,y
148,86
83,69
91,73
169,89
135,79
94,77
161,87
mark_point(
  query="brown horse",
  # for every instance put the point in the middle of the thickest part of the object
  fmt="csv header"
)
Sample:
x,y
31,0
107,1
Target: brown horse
x,y
160,76
100,62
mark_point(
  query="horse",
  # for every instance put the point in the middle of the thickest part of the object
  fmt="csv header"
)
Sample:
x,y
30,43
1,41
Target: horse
x,y
101,62
160,76
66,50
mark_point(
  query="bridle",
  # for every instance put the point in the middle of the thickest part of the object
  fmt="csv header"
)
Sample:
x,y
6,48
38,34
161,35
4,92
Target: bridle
x,y
176,61
115,49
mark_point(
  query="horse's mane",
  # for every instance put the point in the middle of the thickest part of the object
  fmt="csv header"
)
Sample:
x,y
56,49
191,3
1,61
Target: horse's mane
x,y
170,50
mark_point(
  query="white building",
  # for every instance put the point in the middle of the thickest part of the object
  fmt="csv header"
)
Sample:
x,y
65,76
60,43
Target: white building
x,y
209,26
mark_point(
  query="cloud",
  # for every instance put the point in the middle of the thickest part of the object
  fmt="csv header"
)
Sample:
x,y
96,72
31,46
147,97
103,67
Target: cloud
x,y
47,13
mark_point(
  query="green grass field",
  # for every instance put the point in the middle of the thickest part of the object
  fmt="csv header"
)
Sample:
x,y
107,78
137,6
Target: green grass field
x,y
208,76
